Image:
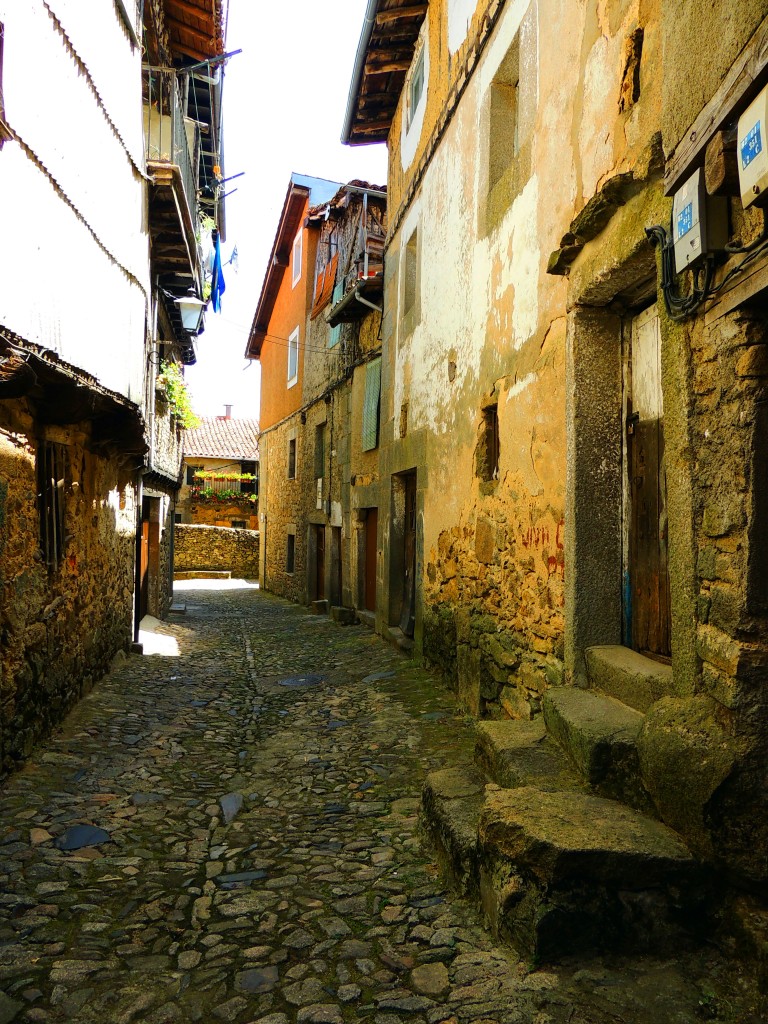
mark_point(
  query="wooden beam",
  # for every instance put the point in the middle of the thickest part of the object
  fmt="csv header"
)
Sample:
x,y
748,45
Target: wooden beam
x,y
391,53
203,37
393,65
733,96
396,13
201,10
721,165
372,126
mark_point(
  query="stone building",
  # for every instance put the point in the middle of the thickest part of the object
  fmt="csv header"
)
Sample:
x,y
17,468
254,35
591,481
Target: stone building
x,y
88,464
220,473
316,333
573,434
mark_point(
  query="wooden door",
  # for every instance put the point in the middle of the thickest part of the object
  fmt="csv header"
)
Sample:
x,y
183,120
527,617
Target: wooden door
x,y
649,612
320,562
408,614
144,570
371,533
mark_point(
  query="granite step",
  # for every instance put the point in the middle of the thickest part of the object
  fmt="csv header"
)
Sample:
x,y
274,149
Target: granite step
x,y
632,678
450,810
564,872
520,753
599,734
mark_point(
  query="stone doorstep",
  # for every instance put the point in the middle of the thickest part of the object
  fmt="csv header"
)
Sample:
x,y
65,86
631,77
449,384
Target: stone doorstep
x,y
203,574
632,678
561,872
342,615
600,735
520,753
451,802
319,607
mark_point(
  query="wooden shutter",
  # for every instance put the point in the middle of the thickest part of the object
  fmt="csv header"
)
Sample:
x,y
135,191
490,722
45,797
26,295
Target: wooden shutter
x,y
371,405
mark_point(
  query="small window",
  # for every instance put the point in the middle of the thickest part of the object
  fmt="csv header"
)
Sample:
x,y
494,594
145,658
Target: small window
x,y
177,518
411,273
416,86
51,484
334,333
319,451
371,403
296,258
238,524
487,450
191,470
292,458
293,358
290,553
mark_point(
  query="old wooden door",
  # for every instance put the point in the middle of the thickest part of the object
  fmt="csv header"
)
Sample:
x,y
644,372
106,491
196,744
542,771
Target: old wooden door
x,y
371,532
648,614
408,615
320,562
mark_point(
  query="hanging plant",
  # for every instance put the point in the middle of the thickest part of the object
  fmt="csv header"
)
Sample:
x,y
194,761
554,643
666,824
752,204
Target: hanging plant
x,y
172,383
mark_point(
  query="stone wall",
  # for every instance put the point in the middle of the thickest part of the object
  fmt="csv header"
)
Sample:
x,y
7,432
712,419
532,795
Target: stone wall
x,y
61,624
216,547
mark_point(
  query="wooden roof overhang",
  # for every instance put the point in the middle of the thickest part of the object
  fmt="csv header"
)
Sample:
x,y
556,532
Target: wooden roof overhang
x,y
290,221
358,302
195,28
384,55
172,233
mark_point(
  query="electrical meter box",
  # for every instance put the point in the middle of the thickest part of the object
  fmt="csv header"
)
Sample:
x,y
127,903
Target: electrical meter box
x,y
699,222
752,151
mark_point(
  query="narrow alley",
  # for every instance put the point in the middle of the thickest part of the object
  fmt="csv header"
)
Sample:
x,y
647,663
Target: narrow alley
x,y
228,831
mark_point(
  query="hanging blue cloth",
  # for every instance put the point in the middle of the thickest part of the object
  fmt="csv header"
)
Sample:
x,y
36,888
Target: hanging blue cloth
x,y
218,287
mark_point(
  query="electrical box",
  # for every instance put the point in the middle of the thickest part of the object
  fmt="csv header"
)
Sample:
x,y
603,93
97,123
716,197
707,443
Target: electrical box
x,y
699,222
752,151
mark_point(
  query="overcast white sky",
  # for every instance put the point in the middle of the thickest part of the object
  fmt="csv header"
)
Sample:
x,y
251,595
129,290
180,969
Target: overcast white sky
x,y
284,101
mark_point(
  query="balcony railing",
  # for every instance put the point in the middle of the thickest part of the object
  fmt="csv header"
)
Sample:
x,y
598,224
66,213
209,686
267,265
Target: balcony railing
x,y
169,135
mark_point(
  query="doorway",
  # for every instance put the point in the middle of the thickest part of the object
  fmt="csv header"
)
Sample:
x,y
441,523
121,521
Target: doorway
x,y
402,601
319,532
371,547
646,603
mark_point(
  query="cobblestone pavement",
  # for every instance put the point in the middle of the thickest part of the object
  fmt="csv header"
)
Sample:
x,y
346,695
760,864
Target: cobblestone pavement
x,y
260,859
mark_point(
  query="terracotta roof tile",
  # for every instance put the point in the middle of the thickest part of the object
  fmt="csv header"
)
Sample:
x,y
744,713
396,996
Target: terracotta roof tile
x,y
221,438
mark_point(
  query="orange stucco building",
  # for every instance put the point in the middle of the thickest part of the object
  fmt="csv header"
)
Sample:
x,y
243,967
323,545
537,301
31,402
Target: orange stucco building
x,y
279,327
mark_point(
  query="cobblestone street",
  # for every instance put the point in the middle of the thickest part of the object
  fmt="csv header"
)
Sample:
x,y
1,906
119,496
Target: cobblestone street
x,y
258,786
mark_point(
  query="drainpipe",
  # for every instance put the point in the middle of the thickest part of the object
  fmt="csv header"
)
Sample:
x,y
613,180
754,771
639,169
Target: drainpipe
x,y
367,302
357,71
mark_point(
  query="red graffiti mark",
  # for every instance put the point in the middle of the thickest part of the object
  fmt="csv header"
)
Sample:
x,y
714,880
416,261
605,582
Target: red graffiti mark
x,y
559,535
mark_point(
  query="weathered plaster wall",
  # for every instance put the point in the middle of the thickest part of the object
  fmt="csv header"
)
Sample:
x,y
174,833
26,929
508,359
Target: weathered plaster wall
x,y
490,326
216,547
60,627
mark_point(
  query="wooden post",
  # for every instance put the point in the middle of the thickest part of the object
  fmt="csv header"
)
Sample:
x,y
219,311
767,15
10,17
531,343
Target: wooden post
x,y
721,168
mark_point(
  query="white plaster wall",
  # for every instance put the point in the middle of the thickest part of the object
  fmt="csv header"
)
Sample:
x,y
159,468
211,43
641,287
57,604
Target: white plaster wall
x,y
459,17
76,272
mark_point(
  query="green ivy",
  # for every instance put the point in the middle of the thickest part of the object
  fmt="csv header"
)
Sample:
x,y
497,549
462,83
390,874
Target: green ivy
x,y
172,382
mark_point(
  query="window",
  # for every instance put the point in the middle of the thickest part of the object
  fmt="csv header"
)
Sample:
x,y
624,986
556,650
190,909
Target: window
x,y
293,358
410,272
292,458
177,518
51,488
487,450
191,470
319,451
296,258
416,85
504,141
238,524
335,332
290,553
371,403
250,486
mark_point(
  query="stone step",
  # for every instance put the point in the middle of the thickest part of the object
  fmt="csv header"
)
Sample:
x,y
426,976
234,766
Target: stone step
x,y
632,678
519,753
599,734
450,810
564,872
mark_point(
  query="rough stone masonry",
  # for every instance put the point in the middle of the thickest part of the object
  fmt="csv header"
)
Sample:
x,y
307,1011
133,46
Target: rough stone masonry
x,y
229,832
